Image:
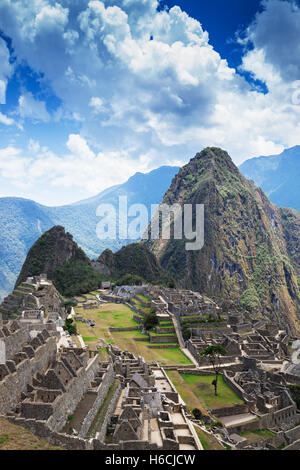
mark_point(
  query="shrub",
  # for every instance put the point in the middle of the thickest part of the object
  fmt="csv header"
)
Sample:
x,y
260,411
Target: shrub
x,y
70,327
150,321
197,413
250,300
130,280
186,333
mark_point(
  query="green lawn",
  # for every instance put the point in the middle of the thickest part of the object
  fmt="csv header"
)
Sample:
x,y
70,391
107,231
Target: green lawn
x,y
140,306
201,386
105,316
144,298
197,391
175,355
121,316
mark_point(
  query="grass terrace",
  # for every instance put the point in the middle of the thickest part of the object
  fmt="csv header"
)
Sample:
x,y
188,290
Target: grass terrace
x,y
105,316
197,391
121,316
138,304
17,438
258,434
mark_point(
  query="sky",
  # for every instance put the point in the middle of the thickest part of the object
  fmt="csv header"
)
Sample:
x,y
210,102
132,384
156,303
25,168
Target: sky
x,y
93,91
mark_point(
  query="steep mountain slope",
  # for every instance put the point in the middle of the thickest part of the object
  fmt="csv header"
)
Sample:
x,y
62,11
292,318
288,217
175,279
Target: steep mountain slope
x,y
56,254
23,221
134,259
81,220
250,254
278,175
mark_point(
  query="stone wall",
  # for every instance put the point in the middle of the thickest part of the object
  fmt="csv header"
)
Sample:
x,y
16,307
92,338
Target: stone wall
x,y
137,319
285,415
70,399
14,342
162,331
293,434
16,382
233,385
127,445
250,426
110,410
40,428
231,410
106,383
294,446
135,309
196,372
163,338
197,332
292,379
133,328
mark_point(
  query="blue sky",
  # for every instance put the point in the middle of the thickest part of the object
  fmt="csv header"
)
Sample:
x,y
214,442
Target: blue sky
x,y
223,19
93,91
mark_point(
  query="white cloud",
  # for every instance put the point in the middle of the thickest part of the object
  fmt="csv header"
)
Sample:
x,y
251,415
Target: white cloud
x,y
97,104
147,88
275,36
80,168
6,69
31,108
6,120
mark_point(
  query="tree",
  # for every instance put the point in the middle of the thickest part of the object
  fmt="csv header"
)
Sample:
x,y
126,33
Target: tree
x,y
70,327
150,321
130,280
214,353
197,413
186,333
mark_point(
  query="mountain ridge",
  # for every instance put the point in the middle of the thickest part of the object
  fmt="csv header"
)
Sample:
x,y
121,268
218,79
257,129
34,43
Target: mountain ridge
x,y
278,175
251,262
23,221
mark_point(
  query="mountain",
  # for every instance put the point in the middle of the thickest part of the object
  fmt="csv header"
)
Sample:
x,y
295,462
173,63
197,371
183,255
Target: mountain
x,y
132,260
251,250
56,254
278,175
23,221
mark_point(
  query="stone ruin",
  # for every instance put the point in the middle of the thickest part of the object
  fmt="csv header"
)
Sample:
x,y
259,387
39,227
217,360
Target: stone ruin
x,y
149,414
35,294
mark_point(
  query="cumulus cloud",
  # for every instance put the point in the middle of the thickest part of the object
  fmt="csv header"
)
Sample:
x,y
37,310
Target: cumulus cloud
x,y
6,70
6,120
147,88
79,168
31,108
275,37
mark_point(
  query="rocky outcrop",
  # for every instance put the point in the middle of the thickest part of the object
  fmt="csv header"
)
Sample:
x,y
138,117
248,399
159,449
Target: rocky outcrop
x,y
54,248
56,254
